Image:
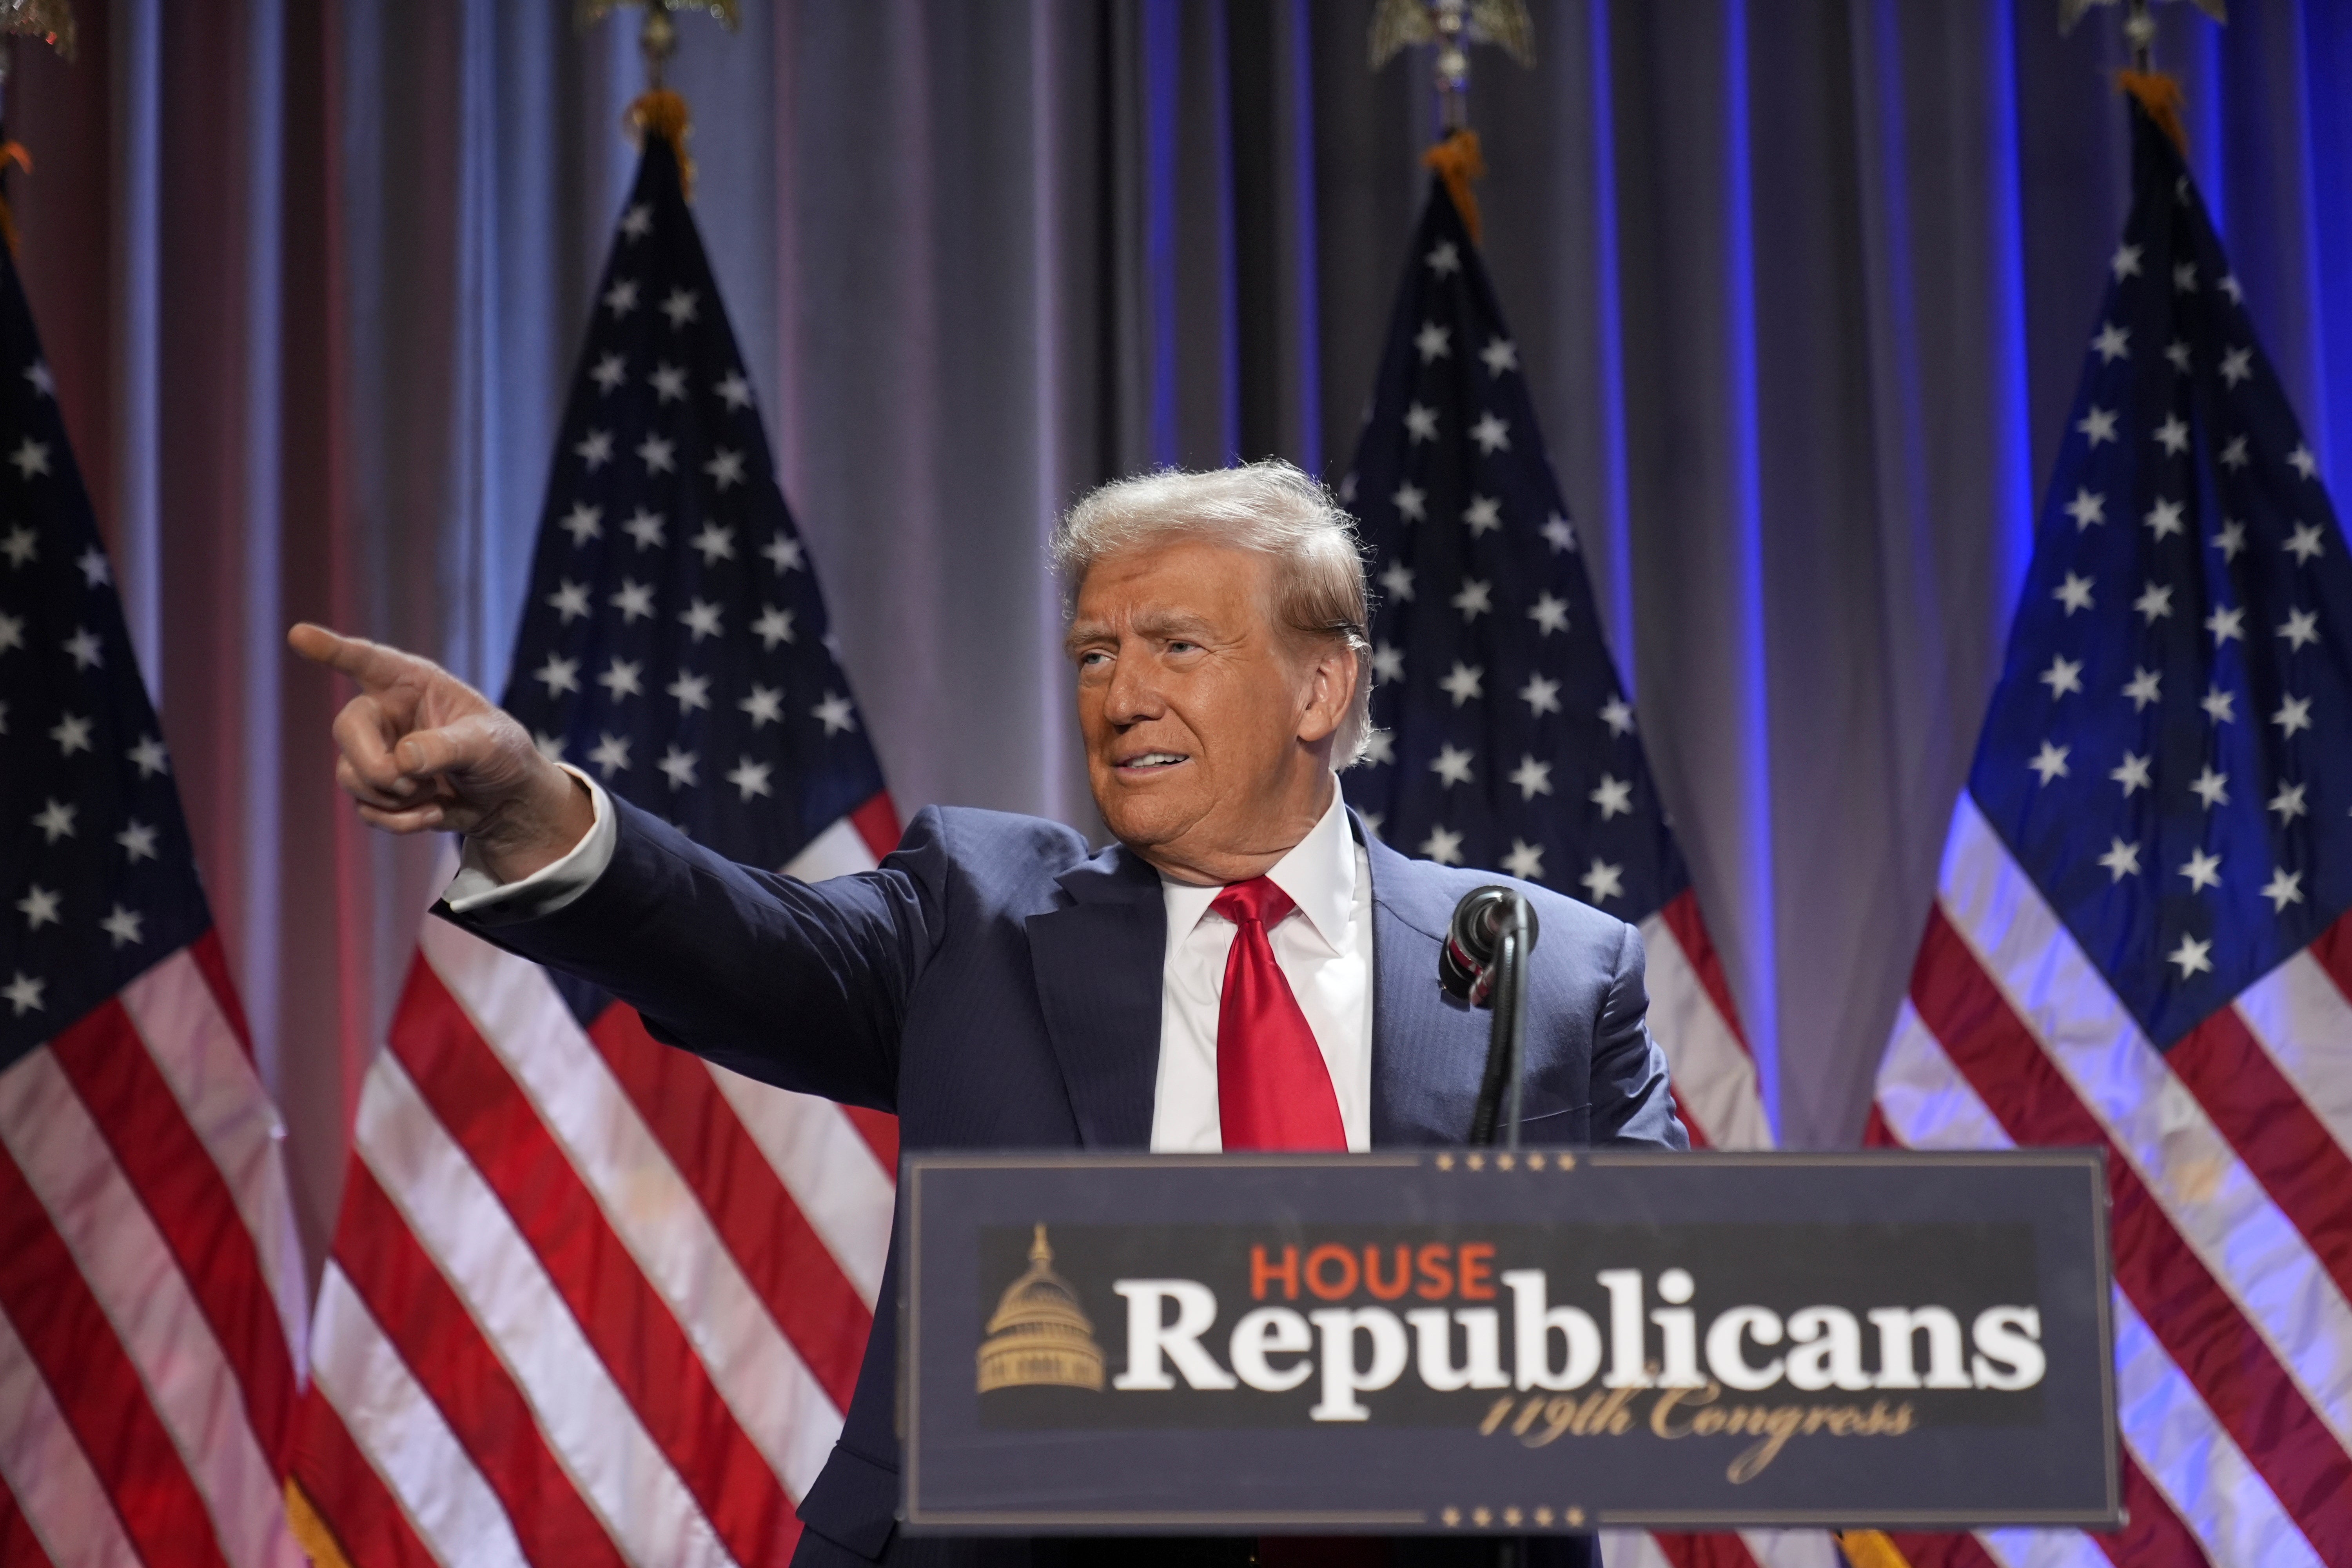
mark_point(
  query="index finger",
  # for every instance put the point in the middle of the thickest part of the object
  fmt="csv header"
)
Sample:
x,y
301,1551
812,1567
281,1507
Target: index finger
x,y
371,664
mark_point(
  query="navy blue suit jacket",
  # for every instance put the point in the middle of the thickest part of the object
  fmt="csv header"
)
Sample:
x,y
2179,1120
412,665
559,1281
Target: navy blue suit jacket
x,y
996,984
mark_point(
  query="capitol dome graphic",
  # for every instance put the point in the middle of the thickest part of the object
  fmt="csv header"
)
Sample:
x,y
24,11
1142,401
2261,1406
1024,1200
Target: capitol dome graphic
x,y
1040,1336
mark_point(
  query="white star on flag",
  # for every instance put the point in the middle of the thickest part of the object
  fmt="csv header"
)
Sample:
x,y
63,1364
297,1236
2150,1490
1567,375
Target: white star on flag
x,y
1462,683
835,714
773,627
724,468
582,523
122,925
2121,860
611,754
1452,765
570,600
39,907
765,705
2190,956
749,777
620,677
784,553
1603,881
634,599
1534,778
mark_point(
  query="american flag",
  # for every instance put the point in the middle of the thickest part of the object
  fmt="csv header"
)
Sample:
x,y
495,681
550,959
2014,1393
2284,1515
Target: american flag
x,y
1504,737
151,1312
591,1300
2139,939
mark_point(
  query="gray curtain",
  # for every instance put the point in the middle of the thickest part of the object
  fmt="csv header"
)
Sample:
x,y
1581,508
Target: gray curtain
x,y
1801,291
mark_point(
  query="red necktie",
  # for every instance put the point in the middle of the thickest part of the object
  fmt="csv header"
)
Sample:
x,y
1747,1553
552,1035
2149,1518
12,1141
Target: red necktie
x,y
1273,1090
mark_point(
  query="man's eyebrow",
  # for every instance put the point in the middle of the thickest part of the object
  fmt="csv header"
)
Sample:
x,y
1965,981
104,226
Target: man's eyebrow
x,y
1173,623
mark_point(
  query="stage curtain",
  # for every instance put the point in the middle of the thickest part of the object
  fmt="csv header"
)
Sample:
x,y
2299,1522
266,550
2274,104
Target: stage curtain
x,y
1803,290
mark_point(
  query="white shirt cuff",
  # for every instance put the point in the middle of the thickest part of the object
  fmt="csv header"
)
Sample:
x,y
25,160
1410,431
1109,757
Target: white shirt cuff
x,y
474,891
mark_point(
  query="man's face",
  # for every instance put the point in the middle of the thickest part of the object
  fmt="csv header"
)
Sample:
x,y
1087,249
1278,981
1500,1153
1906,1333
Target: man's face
x,y
1208,735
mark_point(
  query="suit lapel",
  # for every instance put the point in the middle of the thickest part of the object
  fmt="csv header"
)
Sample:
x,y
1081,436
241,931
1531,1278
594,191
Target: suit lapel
x,y
1428,1049
1098,962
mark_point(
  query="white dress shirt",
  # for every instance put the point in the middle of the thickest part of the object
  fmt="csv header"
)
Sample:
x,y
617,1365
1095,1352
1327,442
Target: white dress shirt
x,y
1324,948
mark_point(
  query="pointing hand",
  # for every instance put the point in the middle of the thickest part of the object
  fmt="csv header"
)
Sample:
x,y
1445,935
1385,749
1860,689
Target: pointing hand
x,y
423,751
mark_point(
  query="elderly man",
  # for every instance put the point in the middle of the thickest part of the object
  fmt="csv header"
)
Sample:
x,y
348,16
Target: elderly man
x,y
1247,968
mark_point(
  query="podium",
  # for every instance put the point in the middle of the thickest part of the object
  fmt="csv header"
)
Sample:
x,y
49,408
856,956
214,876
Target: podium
x,y
1430,1341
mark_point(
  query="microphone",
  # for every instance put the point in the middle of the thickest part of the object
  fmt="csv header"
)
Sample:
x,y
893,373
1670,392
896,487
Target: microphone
x,y
1465,959
1484,961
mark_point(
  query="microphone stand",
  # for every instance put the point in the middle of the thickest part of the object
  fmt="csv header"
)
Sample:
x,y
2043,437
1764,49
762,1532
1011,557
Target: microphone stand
x,y
1506,986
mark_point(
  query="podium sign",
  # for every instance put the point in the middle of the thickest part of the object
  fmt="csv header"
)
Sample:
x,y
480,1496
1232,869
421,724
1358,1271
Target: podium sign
x,y
1437,1340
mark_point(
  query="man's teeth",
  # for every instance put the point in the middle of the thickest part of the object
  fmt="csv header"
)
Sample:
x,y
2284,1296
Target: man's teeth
x,y
1154,759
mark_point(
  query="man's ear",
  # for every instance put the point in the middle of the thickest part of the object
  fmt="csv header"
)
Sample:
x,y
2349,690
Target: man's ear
x,y
1331,686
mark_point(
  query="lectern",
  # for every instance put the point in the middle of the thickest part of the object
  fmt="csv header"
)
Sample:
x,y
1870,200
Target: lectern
x,y
1510,1342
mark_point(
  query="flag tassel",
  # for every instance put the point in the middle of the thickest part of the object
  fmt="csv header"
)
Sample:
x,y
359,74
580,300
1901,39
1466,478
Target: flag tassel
x,y
1458,160
661,112
2159,95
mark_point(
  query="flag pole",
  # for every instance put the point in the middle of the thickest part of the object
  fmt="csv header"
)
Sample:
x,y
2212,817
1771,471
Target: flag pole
x,y
657,34
659,109
2139,24
1449,27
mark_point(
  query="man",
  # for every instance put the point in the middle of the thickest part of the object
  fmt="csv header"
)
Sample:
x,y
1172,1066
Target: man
x,y
1246,968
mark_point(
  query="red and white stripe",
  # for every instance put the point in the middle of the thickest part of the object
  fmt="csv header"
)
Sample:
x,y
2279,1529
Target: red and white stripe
x,y
151,1315
2232,1187
1715,1090
1697,1024
591,1300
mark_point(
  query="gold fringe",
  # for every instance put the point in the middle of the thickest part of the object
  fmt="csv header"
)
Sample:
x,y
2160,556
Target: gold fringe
x,y
1870,1549
1458,160
663,113
2160,95
310,1531
12,153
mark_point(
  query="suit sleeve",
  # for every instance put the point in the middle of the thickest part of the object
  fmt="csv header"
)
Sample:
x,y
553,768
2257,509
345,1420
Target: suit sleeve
x,y
1631,1105
801,984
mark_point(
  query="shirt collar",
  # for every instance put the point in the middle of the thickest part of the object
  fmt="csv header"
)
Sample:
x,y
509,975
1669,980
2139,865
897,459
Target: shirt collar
x,y
1318,874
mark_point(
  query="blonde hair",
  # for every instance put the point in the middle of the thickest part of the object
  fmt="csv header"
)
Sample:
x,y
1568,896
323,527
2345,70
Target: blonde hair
x,y
1269,507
